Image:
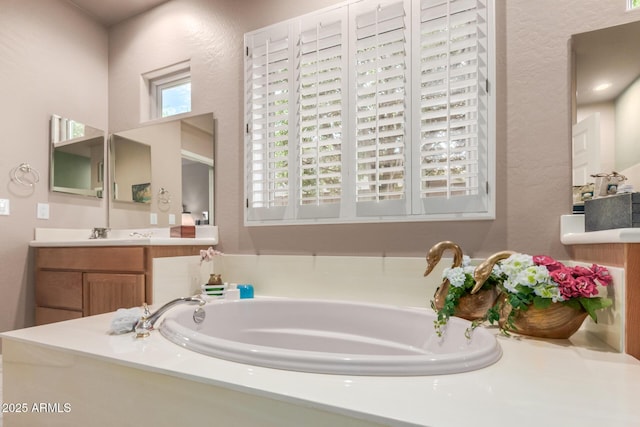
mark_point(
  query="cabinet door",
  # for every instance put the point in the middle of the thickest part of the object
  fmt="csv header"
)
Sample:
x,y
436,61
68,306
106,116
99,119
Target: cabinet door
x,y
106,292
59,289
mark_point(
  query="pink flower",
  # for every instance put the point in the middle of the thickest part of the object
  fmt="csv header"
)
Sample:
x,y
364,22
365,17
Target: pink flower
x,y
579,271
562,276
580,287
548,262
207,255
601,274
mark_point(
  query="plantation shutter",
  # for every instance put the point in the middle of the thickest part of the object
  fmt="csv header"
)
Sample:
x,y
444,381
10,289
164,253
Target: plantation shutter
x,y
381,86
451,142
270,128
369,111
322,113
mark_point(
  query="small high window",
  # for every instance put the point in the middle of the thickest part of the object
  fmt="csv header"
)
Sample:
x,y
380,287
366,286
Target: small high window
x,y
169,91
633,4
175,98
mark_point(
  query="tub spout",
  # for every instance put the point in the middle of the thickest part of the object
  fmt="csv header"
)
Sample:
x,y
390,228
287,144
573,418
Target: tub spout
x,y
148,320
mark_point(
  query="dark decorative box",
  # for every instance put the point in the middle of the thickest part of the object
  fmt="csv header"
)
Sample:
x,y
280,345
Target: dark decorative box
x,y
619,211
183,231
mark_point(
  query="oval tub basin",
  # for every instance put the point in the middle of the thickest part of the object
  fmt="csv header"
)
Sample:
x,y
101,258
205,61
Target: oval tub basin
x,y
332,337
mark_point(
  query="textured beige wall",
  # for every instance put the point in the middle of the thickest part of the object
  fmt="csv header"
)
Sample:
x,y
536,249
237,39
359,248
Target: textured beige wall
x,y
538,112
53,59
533,121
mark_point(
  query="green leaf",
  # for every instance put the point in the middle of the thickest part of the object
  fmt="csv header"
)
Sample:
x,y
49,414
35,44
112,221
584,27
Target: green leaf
x,y
573,304
539,302
591,305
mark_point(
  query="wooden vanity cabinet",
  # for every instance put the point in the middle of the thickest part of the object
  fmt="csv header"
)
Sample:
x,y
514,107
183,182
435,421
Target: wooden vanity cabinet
x,y
73,282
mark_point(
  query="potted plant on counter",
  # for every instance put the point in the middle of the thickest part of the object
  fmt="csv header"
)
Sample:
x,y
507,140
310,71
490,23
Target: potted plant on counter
x,y
459,301
545,298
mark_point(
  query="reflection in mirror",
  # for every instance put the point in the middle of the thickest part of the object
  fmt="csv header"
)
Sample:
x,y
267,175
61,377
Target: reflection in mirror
x,y
606,102
130,170
77,158
181,165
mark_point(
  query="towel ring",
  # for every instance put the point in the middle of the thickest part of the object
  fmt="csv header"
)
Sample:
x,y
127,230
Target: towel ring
x,y
164,196
25,175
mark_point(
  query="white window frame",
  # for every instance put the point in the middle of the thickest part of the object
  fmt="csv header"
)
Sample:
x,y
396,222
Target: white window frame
x,y
154,83
411,207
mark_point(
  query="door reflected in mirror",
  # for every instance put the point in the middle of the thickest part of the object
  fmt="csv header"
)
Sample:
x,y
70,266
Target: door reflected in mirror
x,y
180,165
77,158
606,100
130,170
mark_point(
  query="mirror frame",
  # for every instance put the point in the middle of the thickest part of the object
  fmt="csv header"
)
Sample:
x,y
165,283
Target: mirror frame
x,y
60,131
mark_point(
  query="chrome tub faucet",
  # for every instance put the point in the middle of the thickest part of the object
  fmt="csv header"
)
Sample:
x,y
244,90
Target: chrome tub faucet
x,y
148,320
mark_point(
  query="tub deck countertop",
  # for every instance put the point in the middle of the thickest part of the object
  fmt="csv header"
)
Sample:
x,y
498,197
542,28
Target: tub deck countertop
x,y
580,381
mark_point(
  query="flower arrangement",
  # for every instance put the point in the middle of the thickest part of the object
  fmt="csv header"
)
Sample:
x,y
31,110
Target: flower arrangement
x,y
540,281
461,282
526,281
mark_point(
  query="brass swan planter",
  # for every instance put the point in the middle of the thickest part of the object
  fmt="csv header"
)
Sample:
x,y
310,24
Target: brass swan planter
x,y
469,307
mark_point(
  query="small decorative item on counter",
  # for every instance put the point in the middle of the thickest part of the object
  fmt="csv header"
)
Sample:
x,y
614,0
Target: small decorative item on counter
x,y
246,291
606,184
453,296
215,290
232,293
544,298
215,286
460,302
215,279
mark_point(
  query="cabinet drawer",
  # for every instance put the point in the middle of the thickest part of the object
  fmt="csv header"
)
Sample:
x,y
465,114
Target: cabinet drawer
x,y
59,289
124,259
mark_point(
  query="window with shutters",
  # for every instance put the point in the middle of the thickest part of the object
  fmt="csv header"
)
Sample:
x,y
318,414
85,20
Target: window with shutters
x,y
371,111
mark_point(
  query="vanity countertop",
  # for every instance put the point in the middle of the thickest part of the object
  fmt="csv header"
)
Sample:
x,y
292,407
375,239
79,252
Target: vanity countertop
x,y
572,233
537,382
56,237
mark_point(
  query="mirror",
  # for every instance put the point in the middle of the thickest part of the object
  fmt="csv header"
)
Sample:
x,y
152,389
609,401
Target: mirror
x,y
179,173
606,99
76,158
130,170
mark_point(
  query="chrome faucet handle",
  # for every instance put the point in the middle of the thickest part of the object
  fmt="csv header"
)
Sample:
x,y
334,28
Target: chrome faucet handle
x,y
143,326
99,233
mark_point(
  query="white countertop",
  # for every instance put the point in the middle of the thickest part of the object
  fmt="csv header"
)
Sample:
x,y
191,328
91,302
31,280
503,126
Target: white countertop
x,y
579,382
57,237
572,233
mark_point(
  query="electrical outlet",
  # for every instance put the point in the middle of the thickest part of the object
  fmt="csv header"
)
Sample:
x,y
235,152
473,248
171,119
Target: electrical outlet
x,y
153,219
4,207
43,211
172,219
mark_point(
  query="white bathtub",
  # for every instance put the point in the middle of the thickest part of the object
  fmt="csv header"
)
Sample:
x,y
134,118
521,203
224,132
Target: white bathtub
x,y
332,337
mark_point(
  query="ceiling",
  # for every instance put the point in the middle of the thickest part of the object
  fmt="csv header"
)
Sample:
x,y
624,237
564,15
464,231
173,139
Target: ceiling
x,y
110,12
608,55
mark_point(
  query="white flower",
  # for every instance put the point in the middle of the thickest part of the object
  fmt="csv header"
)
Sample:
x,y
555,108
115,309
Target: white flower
x,y
515,264
548,290
466,260
531,276
456,276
